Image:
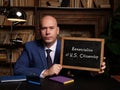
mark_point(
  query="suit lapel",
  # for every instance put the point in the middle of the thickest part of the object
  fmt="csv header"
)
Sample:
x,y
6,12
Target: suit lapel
x,y
42,54
57,52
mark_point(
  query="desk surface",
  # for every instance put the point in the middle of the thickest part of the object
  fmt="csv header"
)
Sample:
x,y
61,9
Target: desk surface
x,y
81,83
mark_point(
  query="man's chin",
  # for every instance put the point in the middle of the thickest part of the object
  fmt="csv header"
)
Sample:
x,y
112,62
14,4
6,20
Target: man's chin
x,y
48,41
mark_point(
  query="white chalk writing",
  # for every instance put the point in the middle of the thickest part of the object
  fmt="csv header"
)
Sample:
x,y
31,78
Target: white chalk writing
x,y
81,56
82,49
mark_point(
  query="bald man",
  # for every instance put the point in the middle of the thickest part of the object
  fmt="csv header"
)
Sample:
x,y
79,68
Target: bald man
x,y
32,61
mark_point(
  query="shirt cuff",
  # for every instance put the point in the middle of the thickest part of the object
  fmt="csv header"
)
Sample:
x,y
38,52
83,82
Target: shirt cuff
x,y
41,75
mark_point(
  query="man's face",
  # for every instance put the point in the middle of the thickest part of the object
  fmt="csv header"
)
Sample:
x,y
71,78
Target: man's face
x,y
49,30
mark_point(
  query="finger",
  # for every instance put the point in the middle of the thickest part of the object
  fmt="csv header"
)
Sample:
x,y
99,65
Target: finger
x,y
103,64
102,71
104,57
60,66
57,72
103,67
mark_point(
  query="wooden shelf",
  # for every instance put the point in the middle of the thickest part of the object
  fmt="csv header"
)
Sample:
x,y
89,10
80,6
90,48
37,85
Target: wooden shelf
x,y
77,16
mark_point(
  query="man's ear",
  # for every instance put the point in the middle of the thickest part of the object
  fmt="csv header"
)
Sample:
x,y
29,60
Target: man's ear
x,y
58,30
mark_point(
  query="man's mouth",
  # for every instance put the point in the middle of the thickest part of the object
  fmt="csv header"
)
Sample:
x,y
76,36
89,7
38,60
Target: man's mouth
x,y
47,38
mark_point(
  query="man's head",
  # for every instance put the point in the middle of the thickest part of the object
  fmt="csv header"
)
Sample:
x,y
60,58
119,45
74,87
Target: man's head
x,y
49,30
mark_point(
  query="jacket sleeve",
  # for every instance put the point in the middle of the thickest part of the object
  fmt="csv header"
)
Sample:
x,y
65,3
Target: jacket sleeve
x,y
29,63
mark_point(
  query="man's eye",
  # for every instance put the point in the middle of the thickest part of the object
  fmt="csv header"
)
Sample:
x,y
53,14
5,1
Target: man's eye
x,y
43,28
51,27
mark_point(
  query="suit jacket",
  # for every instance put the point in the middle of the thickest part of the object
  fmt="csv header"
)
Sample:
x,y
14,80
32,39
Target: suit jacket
x,y
32,60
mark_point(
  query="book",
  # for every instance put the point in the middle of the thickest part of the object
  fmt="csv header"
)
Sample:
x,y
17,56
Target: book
x,y
105,6
12,78
116,77
34,80
62,79
98,3
65,3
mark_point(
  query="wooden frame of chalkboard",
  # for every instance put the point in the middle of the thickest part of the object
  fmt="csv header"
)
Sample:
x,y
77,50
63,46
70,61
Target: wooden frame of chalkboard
x,y
82,53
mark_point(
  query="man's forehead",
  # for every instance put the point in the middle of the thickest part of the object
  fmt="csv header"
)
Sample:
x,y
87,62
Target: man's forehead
x,y
48,26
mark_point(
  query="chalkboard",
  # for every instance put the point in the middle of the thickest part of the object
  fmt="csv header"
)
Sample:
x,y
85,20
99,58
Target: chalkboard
x,y
82,53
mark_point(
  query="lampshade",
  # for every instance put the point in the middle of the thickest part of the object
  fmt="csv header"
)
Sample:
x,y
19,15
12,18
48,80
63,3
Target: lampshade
x,y
16,15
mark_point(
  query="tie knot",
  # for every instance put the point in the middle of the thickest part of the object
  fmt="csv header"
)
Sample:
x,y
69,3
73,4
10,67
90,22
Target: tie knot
x,y
48,51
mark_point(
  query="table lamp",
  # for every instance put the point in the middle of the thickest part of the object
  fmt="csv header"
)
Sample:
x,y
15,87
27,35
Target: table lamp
x,y
16,16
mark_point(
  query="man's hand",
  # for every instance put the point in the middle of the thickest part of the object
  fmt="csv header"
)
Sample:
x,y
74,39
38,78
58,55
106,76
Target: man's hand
x,y
54,70
103,66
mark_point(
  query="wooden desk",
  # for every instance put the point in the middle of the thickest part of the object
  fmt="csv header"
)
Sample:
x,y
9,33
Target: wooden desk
x,y
81,83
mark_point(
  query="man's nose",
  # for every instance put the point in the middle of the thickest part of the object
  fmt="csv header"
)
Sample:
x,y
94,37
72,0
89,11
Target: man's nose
x,y
47,30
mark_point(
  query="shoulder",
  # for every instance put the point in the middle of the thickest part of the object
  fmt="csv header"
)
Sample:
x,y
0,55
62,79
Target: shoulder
x,y
58,45
33,43
58,41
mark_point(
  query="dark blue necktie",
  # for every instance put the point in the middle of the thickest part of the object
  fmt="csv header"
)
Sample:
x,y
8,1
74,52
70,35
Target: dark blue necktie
x,y
49,61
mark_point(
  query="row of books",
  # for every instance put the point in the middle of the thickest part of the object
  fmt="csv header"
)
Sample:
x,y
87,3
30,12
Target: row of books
x,y
10,55
4,2
24,3
58,3
13,55
90,3
75,3
46,3
29,22
24,35
28,3
3,54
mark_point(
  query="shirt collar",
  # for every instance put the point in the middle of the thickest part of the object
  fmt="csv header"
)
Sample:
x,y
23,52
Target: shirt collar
x,y
53,47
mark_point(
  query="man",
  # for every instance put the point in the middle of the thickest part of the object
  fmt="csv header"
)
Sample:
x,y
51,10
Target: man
x,y
32,61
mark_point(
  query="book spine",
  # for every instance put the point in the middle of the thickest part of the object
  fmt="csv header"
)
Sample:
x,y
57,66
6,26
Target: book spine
x,y
67,82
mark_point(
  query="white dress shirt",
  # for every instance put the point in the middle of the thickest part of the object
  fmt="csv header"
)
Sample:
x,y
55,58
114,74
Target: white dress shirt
x,y
52,54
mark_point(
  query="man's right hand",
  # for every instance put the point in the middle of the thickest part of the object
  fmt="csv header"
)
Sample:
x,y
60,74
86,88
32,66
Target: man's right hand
x,y
53,70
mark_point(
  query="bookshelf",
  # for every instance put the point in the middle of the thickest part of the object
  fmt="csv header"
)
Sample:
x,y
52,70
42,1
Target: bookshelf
x,y
25,31
10,51
85,17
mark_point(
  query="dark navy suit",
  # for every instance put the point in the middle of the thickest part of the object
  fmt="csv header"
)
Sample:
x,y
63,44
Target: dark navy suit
x,y
32,60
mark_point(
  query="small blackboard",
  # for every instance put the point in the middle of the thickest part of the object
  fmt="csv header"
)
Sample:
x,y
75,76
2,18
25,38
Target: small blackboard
x,y
82,53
